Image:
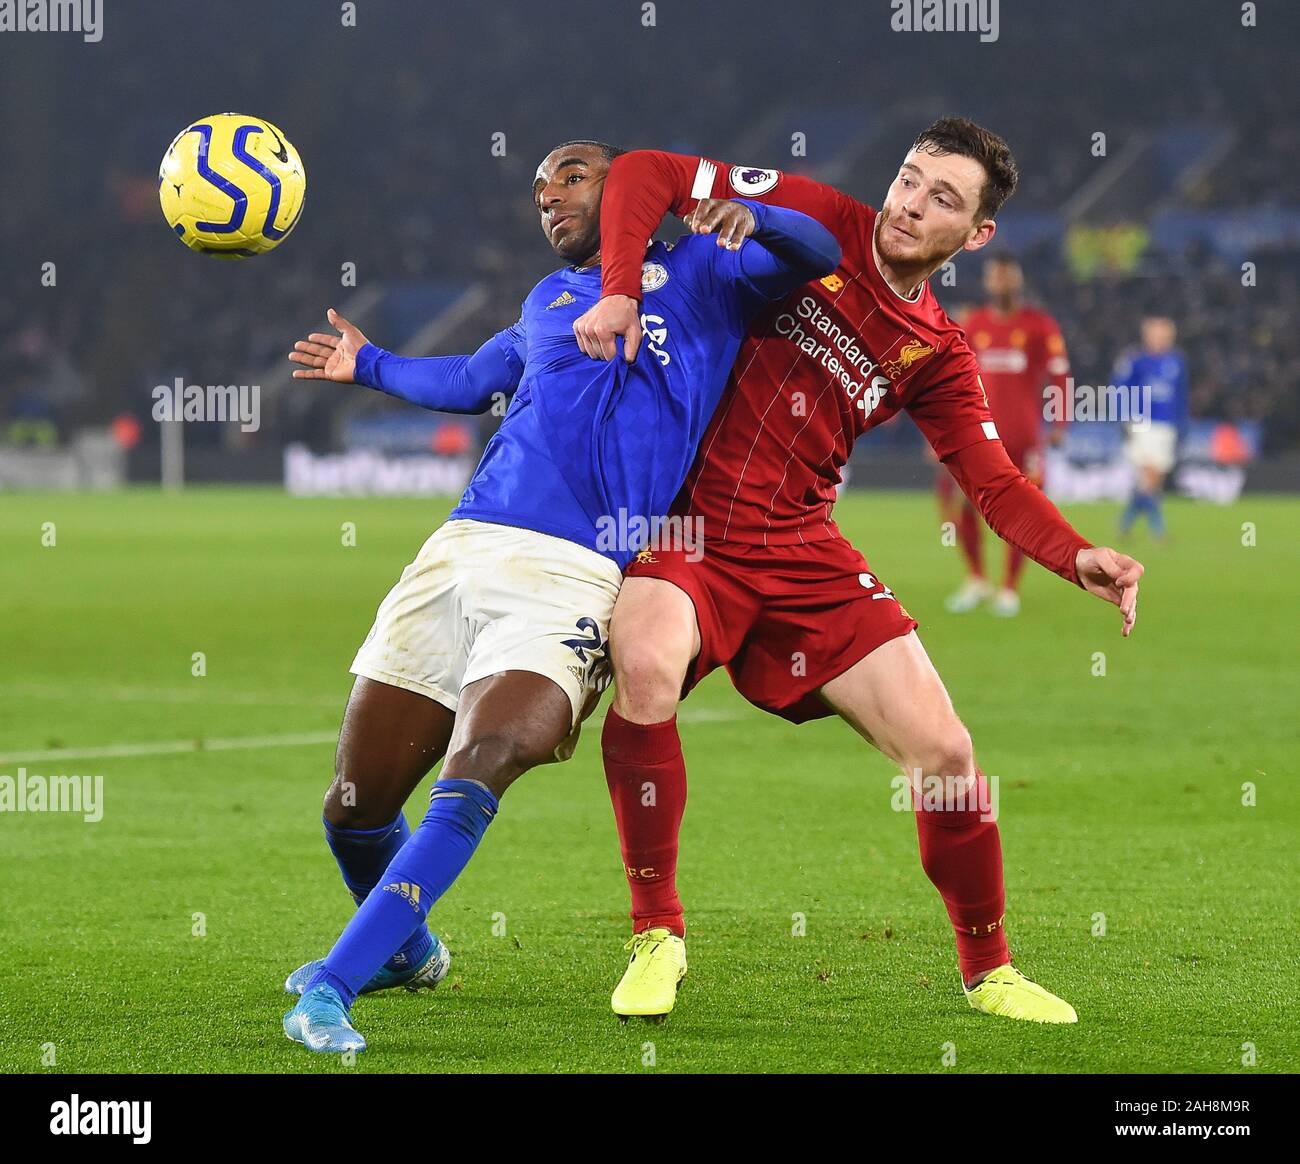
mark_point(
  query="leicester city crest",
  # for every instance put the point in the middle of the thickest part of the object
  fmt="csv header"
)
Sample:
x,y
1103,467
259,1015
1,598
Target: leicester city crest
x,y
653,276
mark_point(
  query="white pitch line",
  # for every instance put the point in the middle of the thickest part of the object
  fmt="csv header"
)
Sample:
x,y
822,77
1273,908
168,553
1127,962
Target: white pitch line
x,y
709,715
172,747
248,743
687,714
170,695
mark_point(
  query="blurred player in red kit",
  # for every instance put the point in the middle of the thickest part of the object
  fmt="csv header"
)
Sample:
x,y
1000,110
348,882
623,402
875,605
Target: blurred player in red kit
x,y
769,588
1020,352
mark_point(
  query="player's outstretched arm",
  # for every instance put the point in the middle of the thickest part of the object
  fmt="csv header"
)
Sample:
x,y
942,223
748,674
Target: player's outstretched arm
x,y
463,384
1021,513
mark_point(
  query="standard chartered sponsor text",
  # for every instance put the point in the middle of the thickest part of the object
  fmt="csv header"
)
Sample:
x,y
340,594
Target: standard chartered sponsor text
x,y
818,334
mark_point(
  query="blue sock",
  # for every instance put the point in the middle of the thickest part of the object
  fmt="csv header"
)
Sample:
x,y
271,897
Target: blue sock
x,y
459,814
1130,513
362,856
1156,514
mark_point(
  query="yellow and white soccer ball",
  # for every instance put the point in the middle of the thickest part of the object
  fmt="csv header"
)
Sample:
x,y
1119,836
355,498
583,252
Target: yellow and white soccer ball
x,y
231,186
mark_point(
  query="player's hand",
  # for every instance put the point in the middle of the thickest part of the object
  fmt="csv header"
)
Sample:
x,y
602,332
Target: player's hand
x,y
732,222
329,357
1112,576
598,326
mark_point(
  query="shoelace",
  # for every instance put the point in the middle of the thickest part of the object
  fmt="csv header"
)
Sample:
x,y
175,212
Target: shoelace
x,y
992,981
1020,979
637,941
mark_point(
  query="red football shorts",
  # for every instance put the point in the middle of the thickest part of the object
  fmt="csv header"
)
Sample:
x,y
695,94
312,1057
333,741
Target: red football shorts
x,y
783,620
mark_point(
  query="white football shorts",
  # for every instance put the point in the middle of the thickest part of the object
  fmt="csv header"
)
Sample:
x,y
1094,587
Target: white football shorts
x,y
481,598
1154,446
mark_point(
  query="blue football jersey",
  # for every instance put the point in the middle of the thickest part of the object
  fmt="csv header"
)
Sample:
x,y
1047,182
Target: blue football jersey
x,y
1164,377
586,446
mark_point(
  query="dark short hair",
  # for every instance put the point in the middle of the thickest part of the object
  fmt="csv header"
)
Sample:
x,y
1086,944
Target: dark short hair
x,y
961,136
607,151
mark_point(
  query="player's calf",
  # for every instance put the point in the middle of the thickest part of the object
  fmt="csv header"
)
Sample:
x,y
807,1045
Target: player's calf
x,y
895,698
960,848
390,739
646,776
506,722
654,636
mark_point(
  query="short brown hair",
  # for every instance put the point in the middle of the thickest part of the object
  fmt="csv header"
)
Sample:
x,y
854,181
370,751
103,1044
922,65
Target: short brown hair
x,y
961,136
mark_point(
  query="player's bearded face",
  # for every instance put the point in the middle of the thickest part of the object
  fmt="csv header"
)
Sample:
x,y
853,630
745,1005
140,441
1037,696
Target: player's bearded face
x,y
930,211
567,192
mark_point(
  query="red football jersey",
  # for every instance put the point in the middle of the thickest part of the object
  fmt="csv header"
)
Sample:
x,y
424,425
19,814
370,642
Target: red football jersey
x,y
819,368
1019,354
835,358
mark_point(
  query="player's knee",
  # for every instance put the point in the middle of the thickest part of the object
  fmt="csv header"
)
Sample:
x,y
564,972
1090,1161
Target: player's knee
x,y
354,802
344,808
947,751
648,677
494,759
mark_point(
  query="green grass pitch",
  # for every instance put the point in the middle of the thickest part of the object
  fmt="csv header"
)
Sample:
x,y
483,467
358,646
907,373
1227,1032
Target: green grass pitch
x,y
1121,795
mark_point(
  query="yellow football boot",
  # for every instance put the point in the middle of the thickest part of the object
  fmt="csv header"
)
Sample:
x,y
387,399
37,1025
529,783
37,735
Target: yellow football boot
x,y
649,984
1009,993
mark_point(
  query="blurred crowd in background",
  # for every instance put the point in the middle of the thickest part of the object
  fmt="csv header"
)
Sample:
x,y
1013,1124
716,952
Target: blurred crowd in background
x,y
395,121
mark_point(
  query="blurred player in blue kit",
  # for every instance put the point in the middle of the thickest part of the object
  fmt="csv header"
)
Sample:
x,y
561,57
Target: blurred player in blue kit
x,y
492,647
1157,375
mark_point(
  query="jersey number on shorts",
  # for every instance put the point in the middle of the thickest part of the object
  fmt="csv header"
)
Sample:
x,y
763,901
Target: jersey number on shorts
x,y
594,642
870,581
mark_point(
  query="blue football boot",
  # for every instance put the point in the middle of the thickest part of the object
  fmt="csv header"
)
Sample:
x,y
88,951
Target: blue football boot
x,y
321,1022
422,974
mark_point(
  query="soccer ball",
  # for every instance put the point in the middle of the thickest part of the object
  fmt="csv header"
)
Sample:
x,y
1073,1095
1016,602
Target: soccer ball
x,y
231,186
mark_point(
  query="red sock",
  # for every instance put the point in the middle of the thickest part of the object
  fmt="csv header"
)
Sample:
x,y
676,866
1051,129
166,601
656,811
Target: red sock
x,y
962,855
647,785
1015,562
968,537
